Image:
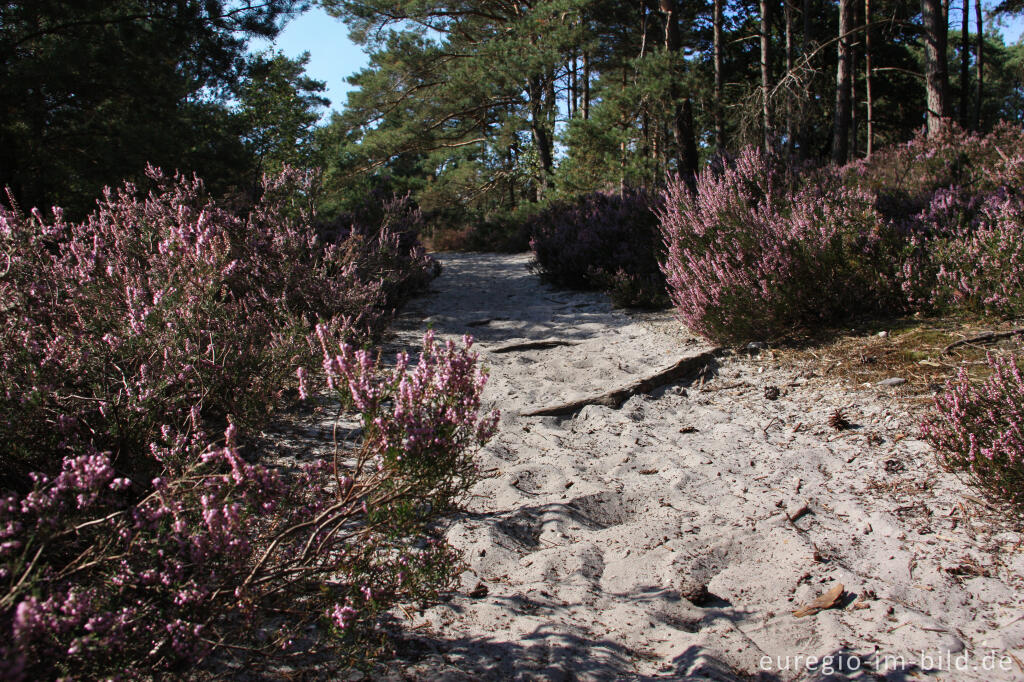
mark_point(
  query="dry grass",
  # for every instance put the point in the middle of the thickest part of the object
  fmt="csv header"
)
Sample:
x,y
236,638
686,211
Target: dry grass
x,y
909,348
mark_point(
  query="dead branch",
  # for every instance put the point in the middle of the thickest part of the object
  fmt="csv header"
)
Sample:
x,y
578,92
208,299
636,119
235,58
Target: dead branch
x,y
685,367
542,344
987,336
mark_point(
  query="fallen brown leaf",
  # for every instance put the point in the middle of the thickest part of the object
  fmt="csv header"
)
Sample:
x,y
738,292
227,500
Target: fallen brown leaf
x,y
825,601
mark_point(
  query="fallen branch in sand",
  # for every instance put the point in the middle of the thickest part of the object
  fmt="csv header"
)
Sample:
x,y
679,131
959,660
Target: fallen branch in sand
x,y
687,366
485,321
987,336
532,345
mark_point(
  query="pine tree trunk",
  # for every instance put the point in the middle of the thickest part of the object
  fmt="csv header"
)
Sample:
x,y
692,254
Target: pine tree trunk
x,y
936,71
573,104
868,100
789,72
586,86
766,116
855,21
682,126
805,38
622,145
542,140
717,107
965,58
979,62
841,122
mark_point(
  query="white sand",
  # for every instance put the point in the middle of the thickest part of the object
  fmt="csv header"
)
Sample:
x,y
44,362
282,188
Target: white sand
x,y
654,540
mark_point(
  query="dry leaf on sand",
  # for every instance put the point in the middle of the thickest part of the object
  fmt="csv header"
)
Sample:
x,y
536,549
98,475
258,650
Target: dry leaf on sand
x,y
825,601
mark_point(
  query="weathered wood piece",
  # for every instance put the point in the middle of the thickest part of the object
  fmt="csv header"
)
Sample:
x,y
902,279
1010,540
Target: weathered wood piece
x,y
682,368
987,336
542,344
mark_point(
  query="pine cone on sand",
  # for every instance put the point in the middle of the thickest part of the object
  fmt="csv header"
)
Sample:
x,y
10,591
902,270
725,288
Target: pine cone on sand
x,y
838,421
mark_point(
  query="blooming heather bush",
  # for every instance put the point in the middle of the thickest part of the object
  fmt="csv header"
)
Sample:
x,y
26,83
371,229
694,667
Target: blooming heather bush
x,y
905,177
100,580
605,241
966,252
979,429
387,227
956,200
752,257
157,307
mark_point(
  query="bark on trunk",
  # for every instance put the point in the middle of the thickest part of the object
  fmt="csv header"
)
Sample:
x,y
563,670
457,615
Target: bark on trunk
x,y
936,71
586,86
979,62
965,58
841,122
683,112
855,21
766,115
807,27
787,10
574,101
717,106
542,138
868,100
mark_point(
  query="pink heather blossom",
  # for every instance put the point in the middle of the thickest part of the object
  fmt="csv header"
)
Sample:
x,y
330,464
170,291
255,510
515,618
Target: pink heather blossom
x,y
175,314
978,428
343,615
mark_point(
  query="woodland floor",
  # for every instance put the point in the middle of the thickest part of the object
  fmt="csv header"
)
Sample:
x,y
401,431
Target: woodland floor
x,y
672,537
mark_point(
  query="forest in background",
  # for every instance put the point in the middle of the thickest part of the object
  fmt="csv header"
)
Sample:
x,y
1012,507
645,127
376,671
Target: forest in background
x,y
481,109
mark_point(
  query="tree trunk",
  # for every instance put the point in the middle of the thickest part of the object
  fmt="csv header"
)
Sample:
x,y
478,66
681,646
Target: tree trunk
x,y
936,71
573,104
965,58
622,145
717,106
806,37
542,139
855,21
979,62
789,72
766,114
682,126
841,122
868,100
586,86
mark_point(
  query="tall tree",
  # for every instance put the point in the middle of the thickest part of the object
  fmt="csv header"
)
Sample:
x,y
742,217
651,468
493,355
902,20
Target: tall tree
x,y
841,122
965,60
935,30
788,16
764,35
586,86
716,105
92,90
979,62
869,102
682,128
280,106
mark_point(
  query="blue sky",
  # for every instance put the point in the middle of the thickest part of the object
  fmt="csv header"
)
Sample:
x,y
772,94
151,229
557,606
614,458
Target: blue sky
x,y
333,57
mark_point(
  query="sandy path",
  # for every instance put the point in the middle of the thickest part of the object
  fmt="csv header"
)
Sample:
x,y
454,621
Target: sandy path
x,y
654,540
